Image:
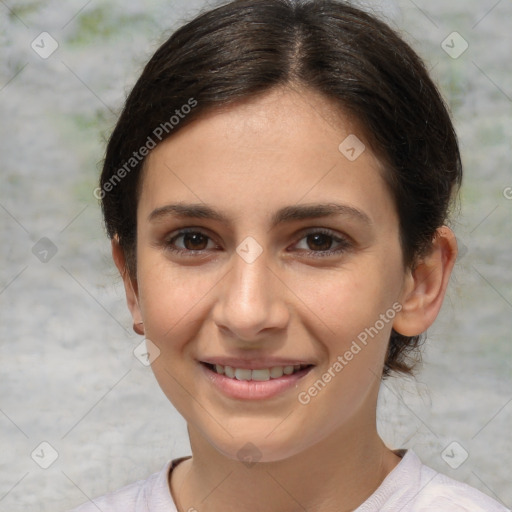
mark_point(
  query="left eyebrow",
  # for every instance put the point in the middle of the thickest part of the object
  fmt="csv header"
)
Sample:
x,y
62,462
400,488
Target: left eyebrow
x,y
284,215
315,211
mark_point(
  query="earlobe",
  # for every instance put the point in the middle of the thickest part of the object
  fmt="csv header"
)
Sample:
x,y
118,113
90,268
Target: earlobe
x,y
425,286
130,286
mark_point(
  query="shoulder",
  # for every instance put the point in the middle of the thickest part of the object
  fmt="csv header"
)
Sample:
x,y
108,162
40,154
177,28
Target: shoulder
x,y
442,493
148,495
414,487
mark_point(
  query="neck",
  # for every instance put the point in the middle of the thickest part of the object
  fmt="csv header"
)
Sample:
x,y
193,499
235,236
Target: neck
x,y
336,474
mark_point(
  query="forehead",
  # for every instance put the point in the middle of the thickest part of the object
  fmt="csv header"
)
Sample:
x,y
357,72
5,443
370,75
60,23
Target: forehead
x,y
282,148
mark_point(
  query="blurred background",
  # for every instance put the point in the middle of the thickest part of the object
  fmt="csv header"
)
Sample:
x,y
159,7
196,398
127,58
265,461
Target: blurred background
x,y
68,375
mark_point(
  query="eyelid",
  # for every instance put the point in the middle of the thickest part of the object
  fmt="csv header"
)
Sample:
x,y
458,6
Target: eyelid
x,y
325,231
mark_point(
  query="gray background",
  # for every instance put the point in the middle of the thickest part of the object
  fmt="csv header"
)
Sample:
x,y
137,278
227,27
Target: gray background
x,y
68,373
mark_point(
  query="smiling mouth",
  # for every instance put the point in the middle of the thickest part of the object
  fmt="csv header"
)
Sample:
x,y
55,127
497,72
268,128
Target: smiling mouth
x,y
260,374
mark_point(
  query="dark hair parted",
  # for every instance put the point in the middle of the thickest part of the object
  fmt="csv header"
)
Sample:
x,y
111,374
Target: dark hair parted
x,y
247,47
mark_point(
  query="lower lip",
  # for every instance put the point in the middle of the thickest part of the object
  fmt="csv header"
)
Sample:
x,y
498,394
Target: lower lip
x,y
252,389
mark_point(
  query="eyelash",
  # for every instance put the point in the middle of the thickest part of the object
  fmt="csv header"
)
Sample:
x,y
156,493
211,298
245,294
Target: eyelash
x,y
344,243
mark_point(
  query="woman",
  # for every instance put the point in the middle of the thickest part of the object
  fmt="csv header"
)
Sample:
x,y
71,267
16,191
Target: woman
x,y
276,191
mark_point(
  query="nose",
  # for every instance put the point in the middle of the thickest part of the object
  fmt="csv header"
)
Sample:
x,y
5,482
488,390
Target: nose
x,y
252,301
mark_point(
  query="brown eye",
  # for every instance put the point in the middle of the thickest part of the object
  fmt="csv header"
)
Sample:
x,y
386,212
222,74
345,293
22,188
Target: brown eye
x,y
319,241
322,242
189,242
195,241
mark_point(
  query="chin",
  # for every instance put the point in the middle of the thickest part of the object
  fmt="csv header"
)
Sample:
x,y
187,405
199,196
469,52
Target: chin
x,y
260,447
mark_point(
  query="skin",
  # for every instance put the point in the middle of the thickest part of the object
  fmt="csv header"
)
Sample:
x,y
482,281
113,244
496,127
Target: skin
x,y
249,161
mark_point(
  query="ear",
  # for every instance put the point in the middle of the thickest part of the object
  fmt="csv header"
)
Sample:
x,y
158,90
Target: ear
x,y
425,285
130,285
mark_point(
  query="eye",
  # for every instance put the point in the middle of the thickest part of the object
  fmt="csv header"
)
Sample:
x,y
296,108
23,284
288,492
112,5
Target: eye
x,y
316,243
189,241
320,242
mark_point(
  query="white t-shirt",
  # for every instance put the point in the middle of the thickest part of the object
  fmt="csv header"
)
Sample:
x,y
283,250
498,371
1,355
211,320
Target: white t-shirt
x,y
409,487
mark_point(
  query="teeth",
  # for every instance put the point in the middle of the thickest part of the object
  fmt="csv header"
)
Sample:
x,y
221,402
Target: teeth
x,y
261,374
243,374
288,370
276,372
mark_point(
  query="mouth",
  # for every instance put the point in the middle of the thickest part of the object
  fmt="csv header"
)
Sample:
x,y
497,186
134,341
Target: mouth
x,y
249,384
260,374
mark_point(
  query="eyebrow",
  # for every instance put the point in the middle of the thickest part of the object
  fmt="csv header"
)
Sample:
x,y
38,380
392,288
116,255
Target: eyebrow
x,y
284,215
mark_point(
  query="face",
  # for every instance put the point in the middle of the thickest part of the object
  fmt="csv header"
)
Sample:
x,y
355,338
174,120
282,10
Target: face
x,y
261,247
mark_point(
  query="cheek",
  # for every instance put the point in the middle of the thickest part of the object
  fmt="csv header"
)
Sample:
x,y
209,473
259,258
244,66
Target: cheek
x,y
349,300
171,301
173,307
350,314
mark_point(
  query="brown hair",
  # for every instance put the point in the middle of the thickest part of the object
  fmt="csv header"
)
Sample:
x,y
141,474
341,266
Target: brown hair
x,y
247,47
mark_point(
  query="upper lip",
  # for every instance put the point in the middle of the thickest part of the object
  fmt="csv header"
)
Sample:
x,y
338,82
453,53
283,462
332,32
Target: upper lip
x,y
254,363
